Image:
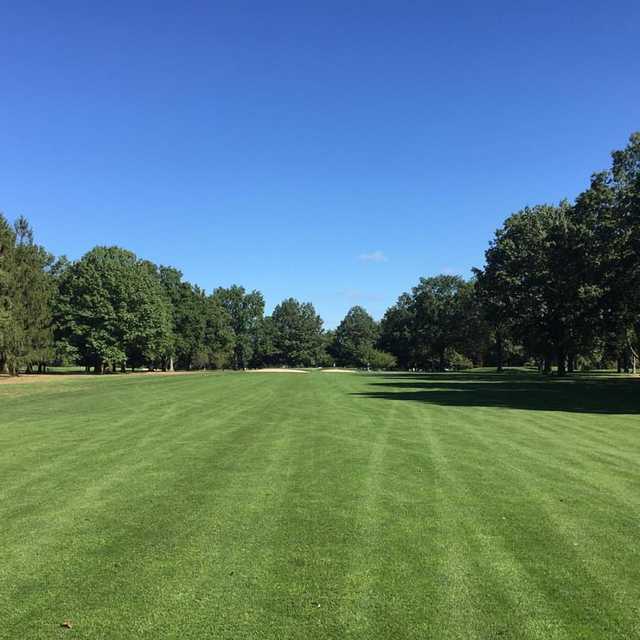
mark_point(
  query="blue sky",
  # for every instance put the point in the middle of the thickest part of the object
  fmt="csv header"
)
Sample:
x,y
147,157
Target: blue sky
x,y
330,151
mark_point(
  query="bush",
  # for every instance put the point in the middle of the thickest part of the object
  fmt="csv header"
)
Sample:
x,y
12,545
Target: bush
x,y
380,360
457,361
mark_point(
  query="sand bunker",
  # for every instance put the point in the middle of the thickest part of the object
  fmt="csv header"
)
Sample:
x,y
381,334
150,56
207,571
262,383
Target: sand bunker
x,y
333,370
274,370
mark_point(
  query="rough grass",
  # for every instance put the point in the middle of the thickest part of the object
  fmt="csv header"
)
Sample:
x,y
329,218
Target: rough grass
x,y
361,506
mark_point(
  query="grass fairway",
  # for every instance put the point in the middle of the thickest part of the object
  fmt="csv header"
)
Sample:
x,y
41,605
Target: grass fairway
x,y
320,506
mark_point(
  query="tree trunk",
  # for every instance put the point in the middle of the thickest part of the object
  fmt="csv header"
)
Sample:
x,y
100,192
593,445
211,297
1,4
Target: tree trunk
x,y
547,365
123,367
171,363
442,361
499,351
634,356
562,361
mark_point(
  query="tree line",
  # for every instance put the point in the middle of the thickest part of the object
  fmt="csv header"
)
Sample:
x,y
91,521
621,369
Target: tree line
x,y
560,288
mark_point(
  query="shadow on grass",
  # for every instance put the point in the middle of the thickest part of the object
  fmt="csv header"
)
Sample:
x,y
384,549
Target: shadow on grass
x,y
581,393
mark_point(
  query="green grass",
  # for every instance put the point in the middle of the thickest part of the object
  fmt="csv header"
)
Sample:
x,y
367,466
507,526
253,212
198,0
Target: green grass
x,y
324,505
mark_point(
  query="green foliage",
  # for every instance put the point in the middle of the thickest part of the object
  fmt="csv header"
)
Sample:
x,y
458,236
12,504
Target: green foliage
x,y
354,338
441,315
219,339
563,279
26,296
560,284
438,306
530,273
457,361
379,360
245,312
296,334
112,310
188,318
397,335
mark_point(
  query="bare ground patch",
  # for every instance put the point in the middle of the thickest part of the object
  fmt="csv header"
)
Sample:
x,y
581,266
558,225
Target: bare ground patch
x,y
275,370
26,378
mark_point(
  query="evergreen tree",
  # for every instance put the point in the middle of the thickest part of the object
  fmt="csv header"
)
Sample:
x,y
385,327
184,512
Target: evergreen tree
x,y
26,296
8,337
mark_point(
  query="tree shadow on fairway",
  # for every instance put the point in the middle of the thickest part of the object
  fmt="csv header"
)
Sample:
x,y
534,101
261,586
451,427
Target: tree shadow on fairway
x,y
513,390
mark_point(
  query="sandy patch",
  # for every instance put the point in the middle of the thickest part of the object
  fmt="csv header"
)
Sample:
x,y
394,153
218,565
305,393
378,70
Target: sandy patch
x,y
25,378
274,370
334,370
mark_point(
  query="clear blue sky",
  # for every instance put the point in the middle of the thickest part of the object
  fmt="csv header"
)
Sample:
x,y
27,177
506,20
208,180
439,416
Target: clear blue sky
x,y
279,145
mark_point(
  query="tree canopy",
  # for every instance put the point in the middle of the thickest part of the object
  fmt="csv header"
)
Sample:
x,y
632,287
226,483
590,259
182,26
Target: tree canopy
x,y
296,333
560,287
112,310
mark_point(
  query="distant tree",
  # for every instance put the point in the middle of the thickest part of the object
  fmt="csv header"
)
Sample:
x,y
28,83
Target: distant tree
x,y
8,337
219,338
438,309
560,284
354,338
26,295
537,281
624,272
64,352
33,298
188,319
475,339
112,310
265,352
325,356
297,333
246,313
397,334
493,292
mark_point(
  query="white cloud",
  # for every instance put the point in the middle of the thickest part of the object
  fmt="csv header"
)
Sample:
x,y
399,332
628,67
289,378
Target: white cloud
x,y
374,256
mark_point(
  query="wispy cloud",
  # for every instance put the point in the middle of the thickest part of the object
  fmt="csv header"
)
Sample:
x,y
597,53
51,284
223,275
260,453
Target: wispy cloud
x,y
374,256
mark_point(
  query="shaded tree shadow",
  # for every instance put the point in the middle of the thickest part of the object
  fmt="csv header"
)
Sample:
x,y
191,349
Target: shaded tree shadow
x,y
603,394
